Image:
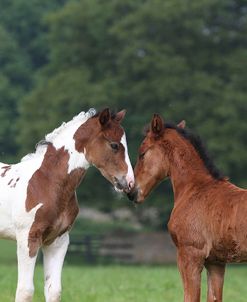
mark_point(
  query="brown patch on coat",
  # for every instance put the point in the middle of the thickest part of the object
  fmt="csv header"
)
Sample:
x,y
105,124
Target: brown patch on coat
x,y
6,169
52,186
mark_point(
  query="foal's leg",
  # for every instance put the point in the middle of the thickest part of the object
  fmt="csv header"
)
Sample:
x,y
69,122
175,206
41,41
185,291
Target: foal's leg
x,y
190,264
215,274
26,265
53,262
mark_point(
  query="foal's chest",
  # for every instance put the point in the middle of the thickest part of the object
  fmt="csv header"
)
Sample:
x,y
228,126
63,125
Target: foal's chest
x,y
63,222
51,222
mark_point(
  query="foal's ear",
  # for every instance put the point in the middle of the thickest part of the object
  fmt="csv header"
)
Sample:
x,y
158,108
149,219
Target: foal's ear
x,y
120,115
104,116
182,124
157,125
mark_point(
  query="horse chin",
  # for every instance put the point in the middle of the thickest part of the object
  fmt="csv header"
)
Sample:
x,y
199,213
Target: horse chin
x,y
139,200
135,196
139,197
121,190
118,189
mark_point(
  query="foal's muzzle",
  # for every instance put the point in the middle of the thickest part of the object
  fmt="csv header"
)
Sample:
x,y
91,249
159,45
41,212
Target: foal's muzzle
x,y
121,184
132,195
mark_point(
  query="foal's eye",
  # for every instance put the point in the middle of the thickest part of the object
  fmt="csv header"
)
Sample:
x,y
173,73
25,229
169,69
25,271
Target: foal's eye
x,y
114,146
141,156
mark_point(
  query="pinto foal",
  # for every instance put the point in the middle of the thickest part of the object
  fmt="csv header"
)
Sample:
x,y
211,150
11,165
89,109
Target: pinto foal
x,y
38,203
208,222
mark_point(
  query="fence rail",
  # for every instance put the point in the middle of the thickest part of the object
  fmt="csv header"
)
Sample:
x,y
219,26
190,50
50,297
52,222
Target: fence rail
x,y
122,248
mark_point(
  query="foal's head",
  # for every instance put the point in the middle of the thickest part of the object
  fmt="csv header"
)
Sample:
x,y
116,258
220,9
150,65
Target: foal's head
x,y
148,169
153,163
103,141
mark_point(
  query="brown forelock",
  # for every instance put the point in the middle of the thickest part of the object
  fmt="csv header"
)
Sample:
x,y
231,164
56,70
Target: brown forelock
x,y
52,186
150,141
91,128
112,133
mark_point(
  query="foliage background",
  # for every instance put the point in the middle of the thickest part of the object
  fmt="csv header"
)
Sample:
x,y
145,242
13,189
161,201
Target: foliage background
x,y
182,59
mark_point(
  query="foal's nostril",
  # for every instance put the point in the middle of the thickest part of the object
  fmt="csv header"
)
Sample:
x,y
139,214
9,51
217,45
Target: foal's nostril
x,y
121,184
131,184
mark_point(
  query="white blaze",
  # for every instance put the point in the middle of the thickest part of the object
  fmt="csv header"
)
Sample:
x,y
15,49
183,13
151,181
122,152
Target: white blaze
x,y
130,174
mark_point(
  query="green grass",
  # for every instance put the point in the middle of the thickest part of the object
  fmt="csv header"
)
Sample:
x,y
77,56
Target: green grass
x,y
7,252
122,283
115,283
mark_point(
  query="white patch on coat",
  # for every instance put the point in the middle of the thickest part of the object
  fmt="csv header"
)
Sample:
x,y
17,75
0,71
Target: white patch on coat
x,y
63,137
13,214
130,174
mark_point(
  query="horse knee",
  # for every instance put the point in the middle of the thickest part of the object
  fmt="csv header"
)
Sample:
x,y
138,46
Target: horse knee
x,y
53,295
24,295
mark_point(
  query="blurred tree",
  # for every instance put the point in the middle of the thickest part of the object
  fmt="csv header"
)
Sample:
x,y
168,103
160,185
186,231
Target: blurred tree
x,y
188,60
24,21
183,59
14,72
23,50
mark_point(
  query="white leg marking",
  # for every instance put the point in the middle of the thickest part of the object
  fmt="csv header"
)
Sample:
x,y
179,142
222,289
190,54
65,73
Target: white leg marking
x,y
53,262
26,264
130,174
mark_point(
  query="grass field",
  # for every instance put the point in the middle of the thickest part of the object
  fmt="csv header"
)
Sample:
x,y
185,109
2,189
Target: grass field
x,y
122,283
115,283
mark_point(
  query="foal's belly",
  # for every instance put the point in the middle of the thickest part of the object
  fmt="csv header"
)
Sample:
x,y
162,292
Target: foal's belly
x,y
229,252
7,229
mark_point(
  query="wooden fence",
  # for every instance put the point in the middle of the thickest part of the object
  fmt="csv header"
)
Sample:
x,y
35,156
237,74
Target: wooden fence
x,y
146,248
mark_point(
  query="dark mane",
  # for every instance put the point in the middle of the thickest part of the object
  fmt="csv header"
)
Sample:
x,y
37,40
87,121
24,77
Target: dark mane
x,y
197,143
112,114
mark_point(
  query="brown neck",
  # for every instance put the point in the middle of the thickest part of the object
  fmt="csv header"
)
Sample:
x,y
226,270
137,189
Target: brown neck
x,y
55,166
85,133
186,168
54,177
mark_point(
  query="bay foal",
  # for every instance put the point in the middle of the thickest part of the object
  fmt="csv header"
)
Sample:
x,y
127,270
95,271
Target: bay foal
x,y
208,223
38,203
